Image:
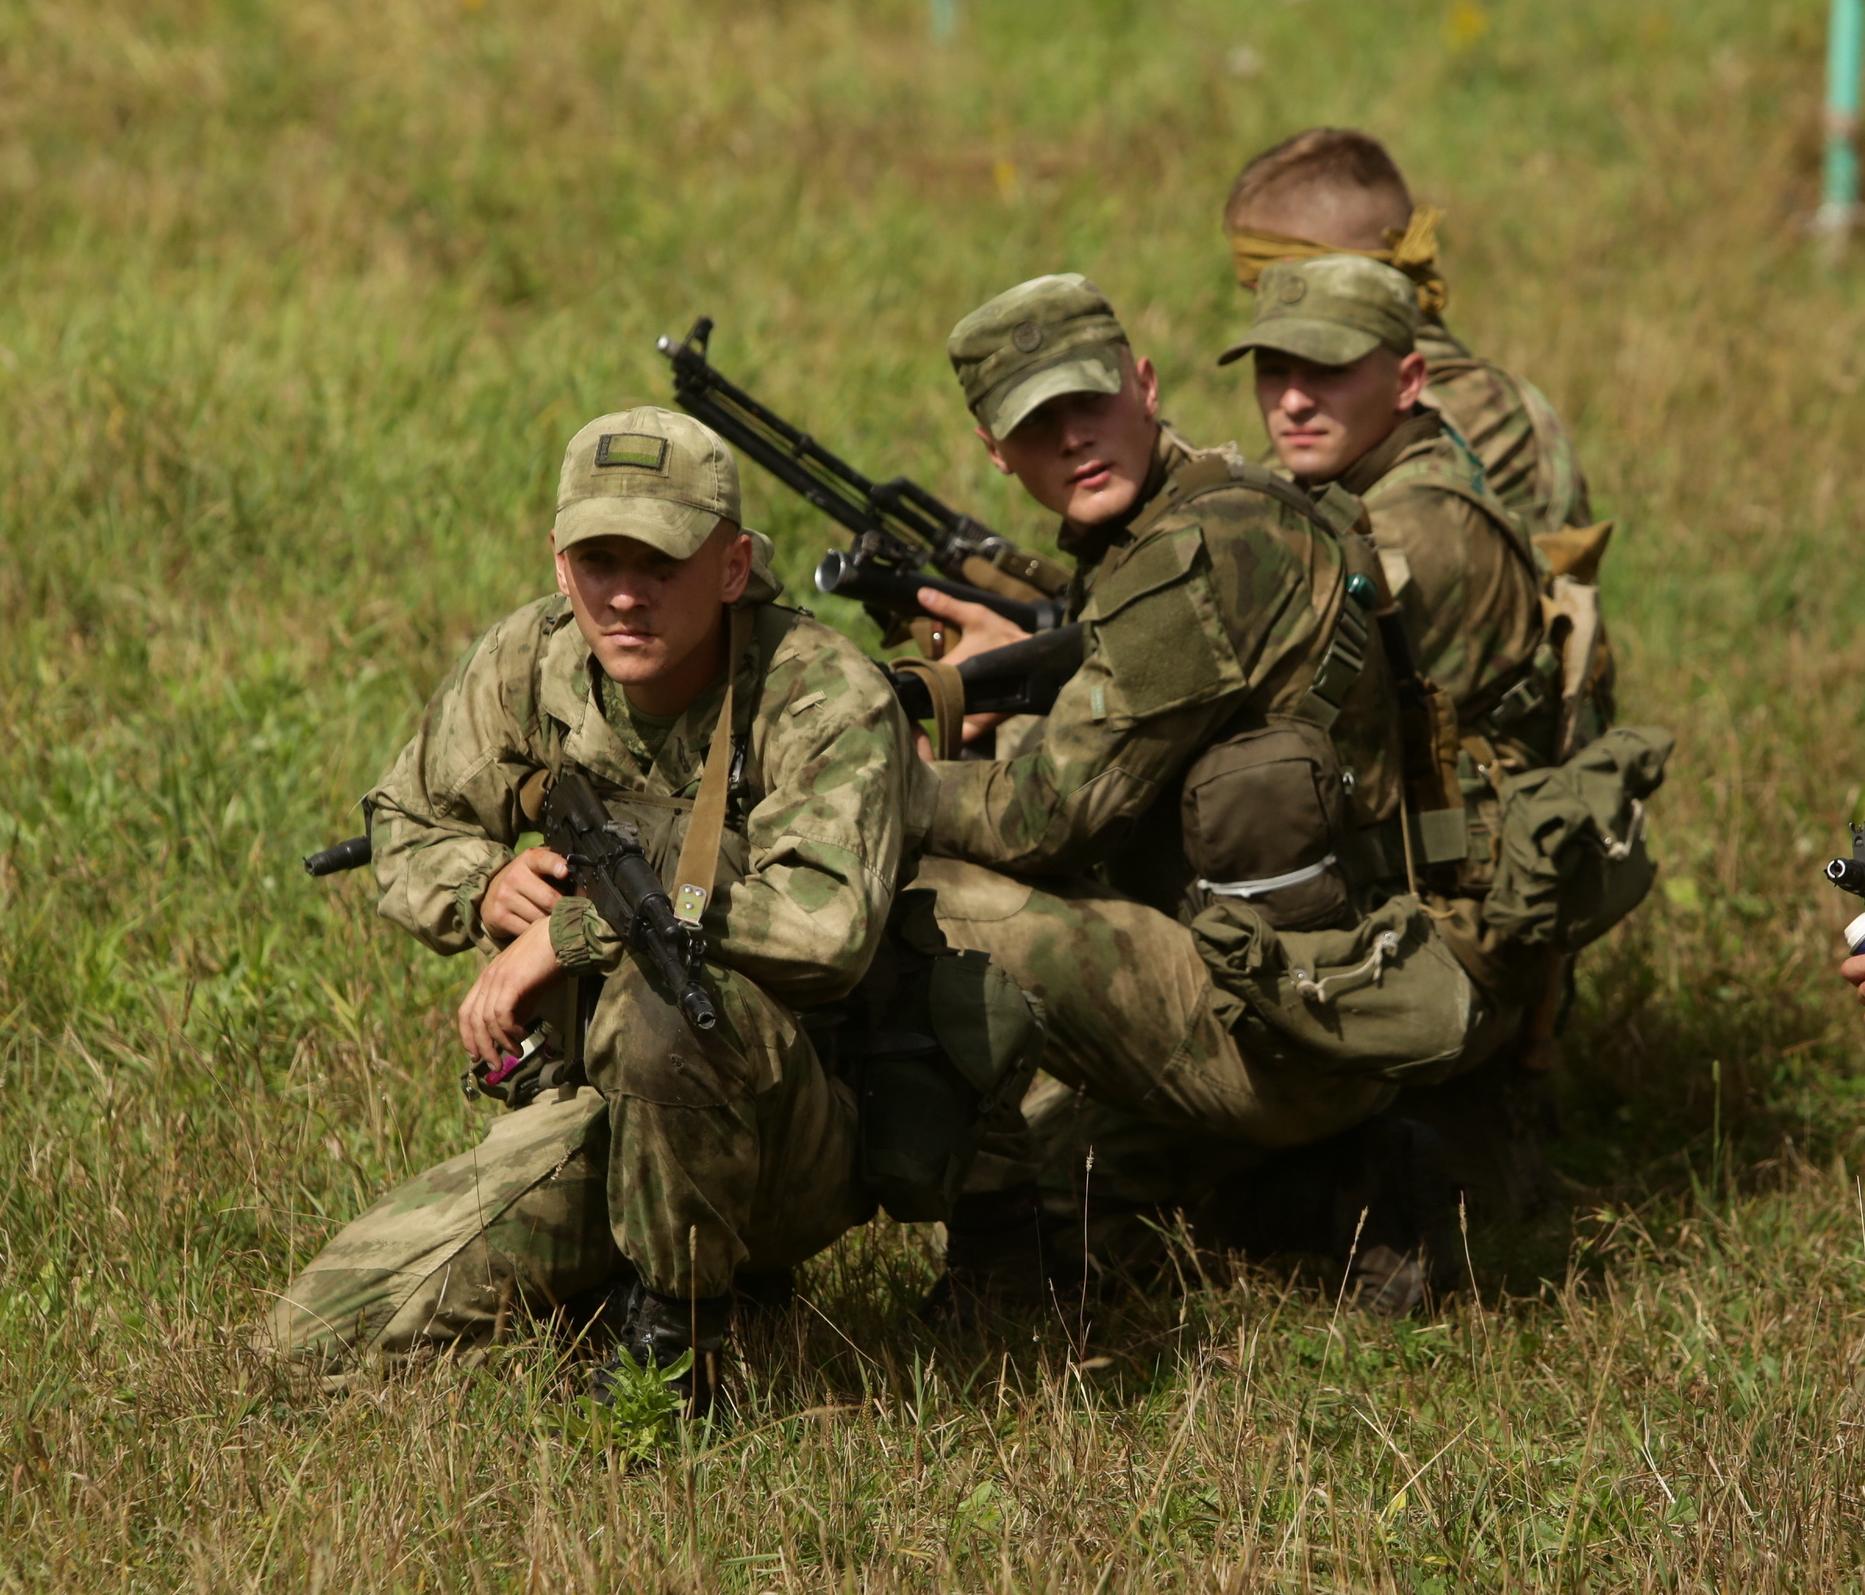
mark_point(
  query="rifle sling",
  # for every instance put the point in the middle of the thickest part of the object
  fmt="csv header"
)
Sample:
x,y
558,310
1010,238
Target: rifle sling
x,y
698,867
946,688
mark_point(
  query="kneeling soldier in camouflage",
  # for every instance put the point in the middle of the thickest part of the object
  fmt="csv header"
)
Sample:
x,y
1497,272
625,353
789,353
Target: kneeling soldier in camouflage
x,y
1196,876
664,673
1520,650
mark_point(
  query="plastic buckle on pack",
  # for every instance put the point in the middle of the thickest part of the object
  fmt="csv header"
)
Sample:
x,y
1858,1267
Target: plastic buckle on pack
x,y
1519,702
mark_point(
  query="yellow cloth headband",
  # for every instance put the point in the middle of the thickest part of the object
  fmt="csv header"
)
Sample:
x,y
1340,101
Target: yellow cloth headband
x,y
1413,250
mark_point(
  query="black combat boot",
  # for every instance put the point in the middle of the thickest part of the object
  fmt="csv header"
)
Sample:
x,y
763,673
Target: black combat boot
x,y
1406,1245
996,1258
655,1330
1310,1199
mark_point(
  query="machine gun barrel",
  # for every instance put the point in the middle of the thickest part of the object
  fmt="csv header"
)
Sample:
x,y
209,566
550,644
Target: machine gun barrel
x,y
895,522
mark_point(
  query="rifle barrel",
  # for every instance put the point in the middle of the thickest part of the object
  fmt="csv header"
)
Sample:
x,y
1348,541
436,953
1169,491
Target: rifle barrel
x,y
919,526
344,855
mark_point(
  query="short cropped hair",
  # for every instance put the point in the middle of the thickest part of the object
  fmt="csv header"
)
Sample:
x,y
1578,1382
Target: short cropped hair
x,y
1341,179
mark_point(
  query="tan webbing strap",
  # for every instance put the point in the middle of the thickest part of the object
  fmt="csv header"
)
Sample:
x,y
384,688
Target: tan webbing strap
x,y
532,792
946,687
699,853
930,635
1011,573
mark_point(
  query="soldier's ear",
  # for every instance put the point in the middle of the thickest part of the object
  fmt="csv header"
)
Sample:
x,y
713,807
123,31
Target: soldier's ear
x,y
735,575
1412,377
1148,381
562,562
991,448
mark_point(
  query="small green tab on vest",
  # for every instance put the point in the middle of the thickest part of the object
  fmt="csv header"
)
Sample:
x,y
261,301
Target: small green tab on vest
x,y
639,451
1443,836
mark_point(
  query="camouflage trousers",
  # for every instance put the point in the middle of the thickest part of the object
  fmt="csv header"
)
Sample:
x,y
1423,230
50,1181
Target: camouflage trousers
x,y
1153,1068
684,1160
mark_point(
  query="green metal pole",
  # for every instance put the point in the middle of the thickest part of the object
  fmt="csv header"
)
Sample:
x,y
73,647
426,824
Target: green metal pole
x,y
1845,69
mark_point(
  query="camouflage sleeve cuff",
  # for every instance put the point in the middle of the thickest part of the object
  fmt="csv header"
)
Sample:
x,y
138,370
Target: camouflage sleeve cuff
x,y
467,894
581,938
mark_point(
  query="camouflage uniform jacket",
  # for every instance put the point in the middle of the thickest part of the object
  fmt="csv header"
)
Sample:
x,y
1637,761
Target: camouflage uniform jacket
x,y
813,846
1528,458
1213,610
1465,577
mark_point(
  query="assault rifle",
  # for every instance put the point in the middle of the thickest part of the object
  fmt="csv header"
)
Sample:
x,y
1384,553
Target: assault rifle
x,y
609,867
897,525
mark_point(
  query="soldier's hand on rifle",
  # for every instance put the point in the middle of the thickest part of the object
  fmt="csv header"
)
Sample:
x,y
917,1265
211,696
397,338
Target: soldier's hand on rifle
x,y
1853,969
492,1016
523,892
981,630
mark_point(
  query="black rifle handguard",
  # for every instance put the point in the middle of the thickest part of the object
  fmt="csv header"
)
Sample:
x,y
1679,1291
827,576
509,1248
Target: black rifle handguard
x,y
1022,678
610,868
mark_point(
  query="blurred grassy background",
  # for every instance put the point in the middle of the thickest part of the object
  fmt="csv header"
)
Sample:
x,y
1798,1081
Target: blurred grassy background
x,y
297,309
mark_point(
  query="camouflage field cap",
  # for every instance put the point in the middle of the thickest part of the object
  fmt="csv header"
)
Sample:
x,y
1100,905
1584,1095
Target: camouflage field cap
x,y
654,475
1032,343
1332,310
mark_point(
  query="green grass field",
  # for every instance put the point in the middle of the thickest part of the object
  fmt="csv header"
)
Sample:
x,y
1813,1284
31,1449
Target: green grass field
x,y
298,306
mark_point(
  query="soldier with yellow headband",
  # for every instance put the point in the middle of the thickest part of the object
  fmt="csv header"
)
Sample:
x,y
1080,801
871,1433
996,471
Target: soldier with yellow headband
x,y
1334,190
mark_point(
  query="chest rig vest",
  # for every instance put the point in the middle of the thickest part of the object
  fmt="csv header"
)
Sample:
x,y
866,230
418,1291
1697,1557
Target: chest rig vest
x,y
1283,812
1551,699
693,831
933,1041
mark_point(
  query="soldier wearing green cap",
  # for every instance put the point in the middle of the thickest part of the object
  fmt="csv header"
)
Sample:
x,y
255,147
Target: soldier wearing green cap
x,y
1186,865
1330,190
1339,381
688,1159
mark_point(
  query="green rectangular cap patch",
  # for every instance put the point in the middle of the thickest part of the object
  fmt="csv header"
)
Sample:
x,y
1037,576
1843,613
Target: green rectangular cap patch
x,y
639,450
